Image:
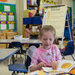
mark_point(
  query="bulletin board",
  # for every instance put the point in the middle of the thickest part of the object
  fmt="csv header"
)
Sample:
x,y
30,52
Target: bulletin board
x,y
56,16
7,16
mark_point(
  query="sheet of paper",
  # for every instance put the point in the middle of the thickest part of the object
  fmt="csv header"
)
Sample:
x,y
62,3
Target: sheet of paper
x,y
56,17
6,8
11,26
46,69
11,17
3,27
3,17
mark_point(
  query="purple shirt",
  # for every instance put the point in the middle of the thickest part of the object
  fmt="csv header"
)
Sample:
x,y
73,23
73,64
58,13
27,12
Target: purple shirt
x,y
46,56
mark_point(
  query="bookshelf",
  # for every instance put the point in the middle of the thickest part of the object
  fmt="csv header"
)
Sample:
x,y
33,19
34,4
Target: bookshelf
x,y
34,22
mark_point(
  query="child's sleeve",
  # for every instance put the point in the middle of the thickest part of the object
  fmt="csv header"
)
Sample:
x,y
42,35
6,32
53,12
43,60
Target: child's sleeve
x,y
58,54
34,59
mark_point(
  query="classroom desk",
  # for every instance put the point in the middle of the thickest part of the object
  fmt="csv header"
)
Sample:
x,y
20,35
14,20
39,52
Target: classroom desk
x,y
65,70
6,53
41,72
8,41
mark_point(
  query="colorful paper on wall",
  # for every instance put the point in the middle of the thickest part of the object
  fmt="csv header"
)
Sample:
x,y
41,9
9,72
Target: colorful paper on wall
x,y
7,16
11,26
3,27
11,17
3,17
6,8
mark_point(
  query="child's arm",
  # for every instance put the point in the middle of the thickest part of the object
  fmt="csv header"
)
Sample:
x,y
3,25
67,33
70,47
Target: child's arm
x,y
54,65
28,30
38,66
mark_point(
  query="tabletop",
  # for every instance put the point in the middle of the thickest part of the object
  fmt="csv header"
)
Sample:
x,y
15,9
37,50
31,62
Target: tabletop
x,y
30,41
6,53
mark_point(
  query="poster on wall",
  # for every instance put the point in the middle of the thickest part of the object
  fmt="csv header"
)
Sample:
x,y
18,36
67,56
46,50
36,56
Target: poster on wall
x,y
6,8
3,27
7,16
11,17
11,26
3,17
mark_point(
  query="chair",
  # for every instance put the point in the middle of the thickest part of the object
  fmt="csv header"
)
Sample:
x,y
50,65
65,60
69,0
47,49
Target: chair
x,y
69,50
18,45
30,52
18,67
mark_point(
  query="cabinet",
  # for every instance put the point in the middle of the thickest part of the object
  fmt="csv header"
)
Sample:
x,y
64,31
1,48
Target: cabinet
x,y
34,19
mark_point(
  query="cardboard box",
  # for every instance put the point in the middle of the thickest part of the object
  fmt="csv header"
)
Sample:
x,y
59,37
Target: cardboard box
x,y
3,46
2,36
10,35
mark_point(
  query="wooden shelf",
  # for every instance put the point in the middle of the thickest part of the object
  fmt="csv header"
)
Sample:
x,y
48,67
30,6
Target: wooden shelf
x,y
34,33
32,5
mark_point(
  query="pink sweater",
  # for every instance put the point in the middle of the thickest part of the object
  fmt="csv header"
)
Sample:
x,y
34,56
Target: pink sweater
x,y
46,56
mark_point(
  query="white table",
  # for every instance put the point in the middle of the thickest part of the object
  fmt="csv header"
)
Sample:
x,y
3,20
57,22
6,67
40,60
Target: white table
x,y
6,53
8,41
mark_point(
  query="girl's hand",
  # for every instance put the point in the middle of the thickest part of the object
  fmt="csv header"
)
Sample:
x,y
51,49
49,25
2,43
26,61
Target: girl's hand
x,y
40,65
54,65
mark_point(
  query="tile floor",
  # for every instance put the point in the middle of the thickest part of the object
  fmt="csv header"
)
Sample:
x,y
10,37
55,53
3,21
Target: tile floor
x,y
5,71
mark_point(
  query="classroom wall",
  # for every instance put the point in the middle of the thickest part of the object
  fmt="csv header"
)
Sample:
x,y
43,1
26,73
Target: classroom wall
x,y
25,4
21,5
20,8
69,3
19,13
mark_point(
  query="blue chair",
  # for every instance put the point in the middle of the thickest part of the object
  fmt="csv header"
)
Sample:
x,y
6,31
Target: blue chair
x,y
69,49
22,67
17,67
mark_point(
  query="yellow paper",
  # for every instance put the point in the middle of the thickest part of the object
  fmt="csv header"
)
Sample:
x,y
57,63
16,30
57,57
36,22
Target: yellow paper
x,y
41,72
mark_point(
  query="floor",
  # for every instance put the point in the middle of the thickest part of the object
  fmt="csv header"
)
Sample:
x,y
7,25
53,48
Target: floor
x,y
5,71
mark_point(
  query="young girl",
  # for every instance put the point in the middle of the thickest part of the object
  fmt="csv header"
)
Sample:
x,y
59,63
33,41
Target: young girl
x,y
27,30
48,54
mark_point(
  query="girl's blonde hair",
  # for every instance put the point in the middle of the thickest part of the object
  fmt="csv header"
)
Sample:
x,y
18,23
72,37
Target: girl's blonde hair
x,y
48,28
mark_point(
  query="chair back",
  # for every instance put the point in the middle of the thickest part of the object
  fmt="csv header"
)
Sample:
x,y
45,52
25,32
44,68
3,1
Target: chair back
x,y
30,52
17,45
69,50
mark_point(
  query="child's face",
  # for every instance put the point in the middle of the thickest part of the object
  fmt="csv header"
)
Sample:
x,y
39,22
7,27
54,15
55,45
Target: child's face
x,y
47,39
